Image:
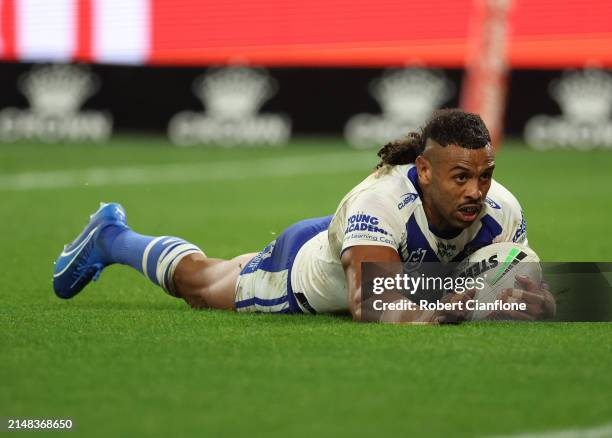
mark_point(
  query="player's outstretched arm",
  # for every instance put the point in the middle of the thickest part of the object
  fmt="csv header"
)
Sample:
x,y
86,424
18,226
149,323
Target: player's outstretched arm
x,y
352,259
351,262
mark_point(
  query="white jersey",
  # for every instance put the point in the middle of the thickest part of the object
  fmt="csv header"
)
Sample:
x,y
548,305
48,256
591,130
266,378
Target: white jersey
x,y
386,210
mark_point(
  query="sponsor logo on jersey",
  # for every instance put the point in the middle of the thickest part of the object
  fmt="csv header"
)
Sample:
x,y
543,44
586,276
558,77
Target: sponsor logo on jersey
x,y
56,94
381,238
364,222
407,199
407,98
445,250
585,99
521,231
232,98
492,203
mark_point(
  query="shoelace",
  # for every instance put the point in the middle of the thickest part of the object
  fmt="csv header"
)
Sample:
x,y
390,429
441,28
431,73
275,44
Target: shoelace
x,y
87,271
92,271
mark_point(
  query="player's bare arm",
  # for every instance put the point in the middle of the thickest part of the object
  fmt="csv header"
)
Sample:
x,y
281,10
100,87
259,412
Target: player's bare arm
x,y
352,260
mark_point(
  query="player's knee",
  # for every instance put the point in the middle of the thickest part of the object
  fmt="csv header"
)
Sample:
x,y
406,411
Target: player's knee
x,y
193,295
188,281
196,301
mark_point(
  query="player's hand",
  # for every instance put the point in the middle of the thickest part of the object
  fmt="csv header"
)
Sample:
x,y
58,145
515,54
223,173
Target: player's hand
x,y
456,315
540,302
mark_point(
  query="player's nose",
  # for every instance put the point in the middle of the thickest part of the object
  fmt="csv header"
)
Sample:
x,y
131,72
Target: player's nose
x,y
473,190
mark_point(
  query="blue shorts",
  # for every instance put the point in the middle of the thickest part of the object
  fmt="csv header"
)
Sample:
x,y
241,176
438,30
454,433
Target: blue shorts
x,y
264,285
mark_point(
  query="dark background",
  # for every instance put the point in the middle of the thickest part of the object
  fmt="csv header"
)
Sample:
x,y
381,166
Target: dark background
x,y
318,100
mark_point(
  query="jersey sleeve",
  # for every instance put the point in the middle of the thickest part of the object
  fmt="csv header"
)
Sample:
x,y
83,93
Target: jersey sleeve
x,y
507,211
519,230
515,229
371,219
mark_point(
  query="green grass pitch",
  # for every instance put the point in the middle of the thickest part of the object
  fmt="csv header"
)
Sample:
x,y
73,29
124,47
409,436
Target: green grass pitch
x,y
124,359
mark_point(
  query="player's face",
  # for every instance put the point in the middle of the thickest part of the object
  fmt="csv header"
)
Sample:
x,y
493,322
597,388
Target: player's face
x,y
456,181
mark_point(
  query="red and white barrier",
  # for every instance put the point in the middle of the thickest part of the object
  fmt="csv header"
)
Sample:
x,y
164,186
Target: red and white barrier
x,y
104,31
385,33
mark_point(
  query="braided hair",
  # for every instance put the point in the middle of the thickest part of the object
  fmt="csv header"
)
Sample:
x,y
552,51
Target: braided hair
x,y
447,126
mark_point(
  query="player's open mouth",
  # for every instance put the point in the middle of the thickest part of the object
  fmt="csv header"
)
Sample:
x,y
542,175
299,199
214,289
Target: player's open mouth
x,y
468,213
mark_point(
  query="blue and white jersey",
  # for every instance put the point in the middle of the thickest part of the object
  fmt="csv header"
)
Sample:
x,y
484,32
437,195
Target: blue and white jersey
x,y
386,210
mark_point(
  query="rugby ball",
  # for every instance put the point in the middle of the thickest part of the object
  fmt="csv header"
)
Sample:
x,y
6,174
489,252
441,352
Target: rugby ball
x,y
497,266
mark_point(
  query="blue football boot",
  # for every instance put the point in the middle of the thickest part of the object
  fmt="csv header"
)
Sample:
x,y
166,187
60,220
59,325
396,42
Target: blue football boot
x,y
83,260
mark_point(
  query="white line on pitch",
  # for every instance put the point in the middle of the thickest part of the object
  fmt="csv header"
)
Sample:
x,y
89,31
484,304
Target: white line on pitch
x,y
604,431
189,172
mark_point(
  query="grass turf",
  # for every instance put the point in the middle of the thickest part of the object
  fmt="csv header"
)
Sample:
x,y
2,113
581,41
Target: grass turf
x,y
124,359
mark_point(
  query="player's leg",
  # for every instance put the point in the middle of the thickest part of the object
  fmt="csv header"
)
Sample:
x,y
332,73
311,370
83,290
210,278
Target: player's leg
x,y
107,240
206,282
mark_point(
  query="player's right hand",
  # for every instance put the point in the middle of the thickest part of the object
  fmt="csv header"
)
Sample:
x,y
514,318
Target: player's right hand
x,y
540,302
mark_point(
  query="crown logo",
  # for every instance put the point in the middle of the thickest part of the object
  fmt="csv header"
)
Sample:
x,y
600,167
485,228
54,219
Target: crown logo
x,y
234,93
412,94
57,90
584,96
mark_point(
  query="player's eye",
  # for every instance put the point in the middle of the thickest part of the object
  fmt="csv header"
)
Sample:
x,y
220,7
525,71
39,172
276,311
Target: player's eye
x,y
460,178
485,176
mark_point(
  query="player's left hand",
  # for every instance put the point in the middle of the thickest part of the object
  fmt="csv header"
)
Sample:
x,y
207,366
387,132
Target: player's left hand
x,y
540,302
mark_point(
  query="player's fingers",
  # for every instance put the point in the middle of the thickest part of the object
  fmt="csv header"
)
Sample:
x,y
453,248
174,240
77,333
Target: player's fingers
x,y
527,297
544,285
515,314
526,283
440,319
533,309
459,309
470,294
539,308
463,297
458,312
448,297
540,303
455,314
453,297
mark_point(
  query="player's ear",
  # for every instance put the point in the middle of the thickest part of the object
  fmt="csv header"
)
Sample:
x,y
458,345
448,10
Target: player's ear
x,y
423,169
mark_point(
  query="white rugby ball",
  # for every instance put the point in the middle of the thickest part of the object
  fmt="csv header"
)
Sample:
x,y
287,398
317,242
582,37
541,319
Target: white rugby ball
x,y
498,265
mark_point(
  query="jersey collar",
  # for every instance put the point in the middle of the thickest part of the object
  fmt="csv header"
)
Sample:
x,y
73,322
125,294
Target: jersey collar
x,y
413,176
